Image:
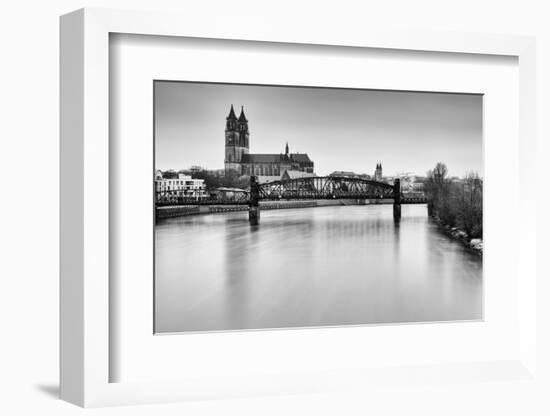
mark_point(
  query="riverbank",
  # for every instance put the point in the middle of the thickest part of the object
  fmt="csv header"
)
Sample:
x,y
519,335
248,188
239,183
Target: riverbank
x,y
473,244
181,211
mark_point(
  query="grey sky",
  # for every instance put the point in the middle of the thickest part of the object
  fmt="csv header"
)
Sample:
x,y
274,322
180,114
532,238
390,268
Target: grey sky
x,y
339,129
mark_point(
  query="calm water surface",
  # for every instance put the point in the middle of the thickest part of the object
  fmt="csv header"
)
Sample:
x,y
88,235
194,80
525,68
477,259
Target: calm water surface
x,y
311,267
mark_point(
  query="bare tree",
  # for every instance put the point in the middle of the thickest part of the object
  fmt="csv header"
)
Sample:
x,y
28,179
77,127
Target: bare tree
x,y
458,203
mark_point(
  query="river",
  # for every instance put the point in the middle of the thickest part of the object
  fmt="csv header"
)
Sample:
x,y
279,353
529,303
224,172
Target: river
x,y
338,265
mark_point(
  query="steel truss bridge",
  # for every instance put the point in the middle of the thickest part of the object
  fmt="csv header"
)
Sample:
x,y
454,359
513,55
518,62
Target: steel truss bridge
x,y
324,187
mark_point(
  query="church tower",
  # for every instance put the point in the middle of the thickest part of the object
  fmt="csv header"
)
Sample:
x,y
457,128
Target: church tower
x,y
236,140
243,130
378,172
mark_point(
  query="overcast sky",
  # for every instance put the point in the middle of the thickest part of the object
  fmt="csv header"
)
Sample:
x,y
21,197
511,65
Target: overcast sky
x,y
339,129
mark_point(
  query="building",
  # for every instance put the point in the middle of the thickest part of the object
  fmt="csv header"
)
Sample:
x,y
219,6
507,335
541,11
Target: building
x,y
378,173
268,178
296,174
344,174
411,183
417,186
183,186
239,159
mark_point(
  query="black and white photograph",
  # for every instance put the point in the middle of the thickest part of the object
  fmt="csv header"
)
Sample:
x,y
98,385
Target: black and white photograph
x,y
297,207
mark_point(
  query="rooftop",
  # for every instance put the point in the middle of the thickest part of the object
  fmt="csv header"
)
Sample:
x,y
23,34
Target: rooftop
x,y
274,158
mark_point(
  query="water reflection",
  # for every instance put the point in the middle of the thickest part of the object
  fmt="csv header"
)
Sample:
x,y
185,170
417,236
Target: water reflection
x,y
311,267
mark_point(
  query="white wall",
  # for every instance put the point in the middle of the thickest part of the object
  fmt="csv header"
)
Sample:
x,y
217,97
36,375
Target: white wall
x,y
29,164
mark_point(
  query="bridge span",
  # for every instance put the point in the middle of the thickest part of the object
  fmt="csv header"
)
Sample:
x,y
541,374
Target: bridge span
x,y
312,188
322,187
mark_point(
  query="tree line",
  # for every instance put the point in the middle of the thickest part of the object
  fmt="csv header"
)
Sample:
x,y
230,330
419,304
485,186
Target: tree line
x,y
456,203
231,179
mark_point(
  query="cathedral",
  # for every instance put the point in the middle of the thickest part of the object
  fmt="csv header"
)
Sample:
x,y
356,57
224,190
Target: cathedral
x,y
238,158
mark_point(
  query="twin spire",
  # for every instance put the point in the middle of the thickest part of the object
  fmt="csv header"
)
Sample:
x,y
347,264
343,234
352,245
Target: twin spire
x,y
242,119
232,116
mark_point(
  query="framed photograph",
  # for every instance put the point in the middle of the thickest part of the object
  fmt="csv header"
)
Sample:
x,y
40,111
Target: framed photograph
x,y
306,239
263,213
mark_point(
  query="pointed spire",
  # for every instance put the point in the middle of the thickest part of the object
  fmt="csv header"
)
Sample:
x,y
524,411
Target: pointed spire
x,y
286,149
231,115
242,117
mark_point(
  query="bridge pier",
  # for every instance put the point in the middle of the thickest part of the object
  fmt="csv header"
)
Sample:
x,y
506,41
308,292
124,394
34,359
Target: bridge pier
x,y
254,202
254,215
397,199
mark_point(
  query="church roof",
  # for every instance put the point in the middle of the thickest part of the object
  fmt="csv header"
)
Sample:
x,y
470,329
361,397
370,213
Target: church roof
x,y
242,117
300,157
231,115
275,158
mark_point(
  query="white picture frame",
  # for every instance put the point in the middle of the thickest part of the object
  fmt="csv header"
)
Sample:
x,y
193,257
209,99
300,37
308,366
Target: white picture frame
x,y
85,221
